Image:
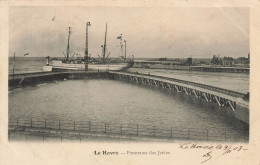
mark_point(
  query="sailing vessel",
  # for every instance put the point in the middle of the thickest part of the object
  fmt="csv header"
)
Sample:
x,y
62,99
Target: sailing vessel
x,y
105,64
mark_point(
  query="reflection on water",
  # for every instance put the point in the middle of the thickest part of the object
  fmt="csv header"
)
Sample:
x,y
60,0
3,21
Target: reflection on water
x,y
111,101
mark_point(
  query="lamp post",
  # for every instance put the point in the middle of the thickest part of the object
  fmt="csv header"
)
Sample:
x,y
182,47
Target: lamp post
x,y
13,65
125,49
68,46
86,47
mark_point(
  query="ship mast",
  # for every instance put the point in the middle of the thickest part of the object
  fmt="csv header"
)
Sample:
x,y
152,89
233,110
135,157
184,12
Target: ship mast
x,y
68,46
105,45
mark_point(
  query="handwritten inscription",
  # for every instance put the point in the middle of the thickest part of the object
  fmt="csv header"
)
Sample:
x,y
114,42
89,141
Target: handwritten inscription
x,y
226,149
207,155
211,151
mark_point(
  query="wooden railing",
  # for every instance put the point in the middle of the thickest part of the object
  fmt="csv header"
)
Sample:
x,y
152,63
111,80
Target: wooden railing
x,y
46,128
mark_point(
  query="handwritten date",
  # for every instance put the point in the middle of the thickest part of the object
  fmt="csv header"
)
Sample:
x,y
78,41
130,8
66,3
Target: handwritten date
x,y
227,149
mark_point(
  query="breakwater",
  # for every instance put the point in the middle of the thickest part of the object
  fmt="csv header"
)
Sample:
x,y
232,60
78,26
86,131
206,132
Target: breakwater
x,y
209,68
20,80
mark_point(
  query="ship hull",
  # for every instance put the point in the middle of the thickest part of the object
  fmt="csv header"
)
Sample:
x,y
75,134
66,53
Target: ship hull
x,y
59,66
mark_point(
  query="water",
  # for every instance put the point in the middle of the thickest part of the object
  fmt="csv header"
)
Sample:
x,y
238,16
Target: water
x,y
232,81
112,101
26,64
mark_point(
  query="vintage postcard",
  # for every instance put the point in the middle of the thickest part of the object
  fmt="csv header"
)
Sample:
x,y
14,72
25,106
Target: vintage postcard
x,y
129,82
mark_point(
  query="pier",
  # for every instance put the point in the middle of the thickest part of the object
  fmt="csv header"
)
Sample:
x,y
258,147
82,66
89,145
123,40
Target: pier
x,y
219,69
19,80
168,65
231,102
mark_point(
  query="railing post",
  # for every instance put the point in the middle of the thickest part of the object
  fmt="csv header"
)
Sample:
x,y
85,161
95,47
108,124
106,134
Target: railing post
x,y
207,134
188,133
105,128
31,122
59,124
43,138
89,125
121,129
225,134
244,136
17,122
154,131
61,138
45,123
137,130
74,126
171,132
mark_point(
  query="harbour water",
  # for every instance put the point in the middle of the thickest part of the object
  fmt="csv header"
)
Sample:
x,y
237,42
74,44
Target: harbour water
x,y
112,101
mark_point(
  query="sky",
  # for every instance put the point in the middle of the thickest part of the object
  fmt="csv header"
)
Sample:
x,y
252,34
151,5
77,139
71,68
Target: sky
x,y
154,32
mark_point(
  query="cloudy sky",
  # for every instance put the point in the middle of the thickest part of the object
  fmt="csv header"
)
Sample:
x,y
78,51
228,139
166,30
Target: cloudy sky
x,y
149,32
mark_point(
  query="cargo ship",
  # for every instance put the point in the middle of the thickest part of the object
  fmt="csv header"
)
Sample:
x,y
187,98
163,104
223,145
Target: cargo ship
x,y
100,64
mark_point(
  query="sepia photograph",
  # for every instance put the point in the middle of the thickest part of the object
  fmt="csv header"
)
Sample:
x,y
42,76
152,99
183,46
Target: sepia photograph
x,y
128,74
